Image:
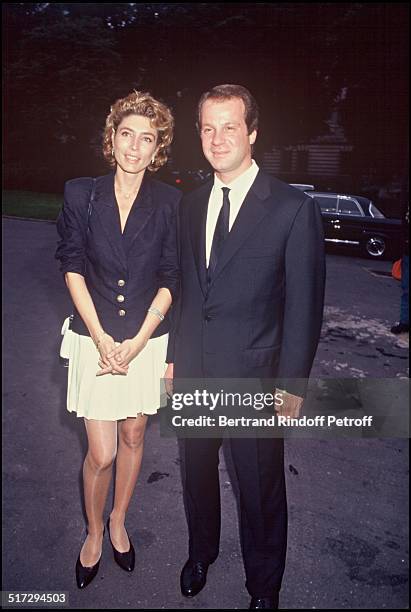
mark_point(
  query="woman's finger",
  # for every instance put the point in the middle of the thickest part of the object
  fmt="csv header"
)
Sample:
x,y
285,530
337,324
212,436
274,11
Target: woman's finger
x,y
104,371
119,358
118,368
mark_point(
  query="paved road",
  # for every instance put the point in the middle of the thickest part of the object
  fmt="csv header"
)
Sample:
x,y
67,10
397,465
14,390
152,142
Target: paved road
x,y
348,499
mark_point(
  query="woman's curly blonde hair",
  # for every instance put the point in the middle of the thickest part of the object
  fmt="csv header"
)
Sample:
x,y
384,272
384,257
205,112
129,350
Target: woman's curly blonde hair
x,y
140,103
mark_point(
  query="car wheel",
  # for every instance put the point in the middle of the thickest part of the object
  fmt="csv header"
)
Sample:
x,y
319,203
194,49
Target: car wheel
x,y
375,246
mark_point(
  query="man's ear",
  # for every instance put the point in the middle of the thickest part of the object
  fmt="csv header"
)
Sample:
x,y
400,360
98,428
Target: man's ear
x,y
252,137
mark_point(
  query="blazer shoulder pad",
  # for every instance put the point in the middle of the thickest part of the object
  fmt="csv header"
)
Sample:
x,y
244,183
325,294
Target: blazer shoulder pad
x,y
165,190
78,187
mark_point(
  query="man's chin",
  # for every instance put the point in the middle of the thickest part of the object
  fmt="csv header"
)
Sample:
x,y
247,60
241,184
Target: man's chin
x,y
220,165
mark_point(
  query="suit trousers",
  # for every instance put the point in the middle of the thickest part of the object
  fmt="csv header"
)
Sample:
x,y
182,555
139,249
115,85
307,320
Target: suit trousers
x,y
259,468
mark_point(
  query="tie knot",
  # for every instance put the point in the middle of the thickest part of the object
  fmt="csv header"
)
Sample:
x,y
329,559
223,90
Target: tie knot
x,y
225,191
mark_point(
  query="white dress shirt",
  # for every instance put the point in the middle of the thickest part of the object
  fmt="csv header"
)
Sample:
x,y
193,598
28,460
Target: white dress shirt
x,y
239,188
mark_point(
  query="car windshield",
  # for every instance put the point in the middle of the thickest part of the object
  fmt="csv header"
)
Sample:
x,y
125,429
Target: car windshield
x,y
375,212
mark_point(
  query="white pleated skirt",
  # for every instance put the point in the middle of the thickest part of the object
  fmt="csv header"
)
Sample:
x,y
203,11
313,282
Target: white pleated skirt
x,y
113,397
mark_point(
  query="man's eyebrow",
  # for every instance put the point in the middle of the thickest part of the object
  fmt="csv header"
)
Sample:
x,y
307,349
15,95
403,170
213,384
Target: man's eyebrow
x,y
225,123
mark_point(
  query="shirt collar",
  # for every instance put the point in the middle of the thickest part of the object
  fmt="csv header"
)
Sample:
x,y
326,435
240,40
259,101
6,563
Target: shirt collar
x,y
242,182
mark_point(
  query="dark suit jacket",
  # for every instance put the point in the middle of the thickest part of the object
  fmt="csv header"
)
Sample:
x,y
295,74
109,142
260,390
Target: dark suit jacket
x,y
133,265
261,316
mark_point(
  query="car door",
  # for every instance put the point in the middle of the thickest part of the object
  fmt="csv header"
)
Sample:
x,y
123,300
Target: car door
x,y
349,222
328,206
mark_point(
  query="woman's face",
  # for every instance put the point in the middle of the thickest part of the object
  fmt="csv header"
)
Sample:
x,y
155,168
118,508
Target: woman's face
x,y
134,144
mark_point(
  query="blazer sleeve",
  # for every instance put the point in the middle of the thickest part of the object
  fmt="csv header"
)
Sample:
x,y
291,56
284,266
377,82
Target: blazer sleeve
x,y
72,225
304,296
168,273
176,306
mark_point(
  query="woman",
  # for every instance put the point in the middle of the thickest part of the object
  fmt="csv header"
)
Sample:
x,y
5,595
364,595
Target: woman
x,y
118,253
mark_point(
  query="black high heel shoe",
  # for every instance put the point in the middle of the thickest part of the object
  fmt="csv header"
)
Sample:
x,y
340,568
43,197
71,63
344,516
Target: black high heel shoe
x,y
84,574
127,559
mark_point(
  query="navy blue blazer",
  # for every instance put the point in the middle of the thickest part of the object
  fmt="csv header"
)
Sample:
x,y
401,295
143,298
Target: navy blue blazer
x,y
123,272
261,315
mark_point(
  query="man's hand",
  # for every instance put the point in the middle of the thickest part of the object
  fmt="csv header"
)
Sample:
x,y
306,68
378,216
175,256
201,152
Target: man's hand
x,y
168,379
291,405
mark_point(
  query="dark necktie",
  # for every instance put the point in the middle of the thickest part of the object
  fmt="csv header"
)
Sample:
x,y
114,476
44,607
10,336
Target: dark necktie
x,y
220,232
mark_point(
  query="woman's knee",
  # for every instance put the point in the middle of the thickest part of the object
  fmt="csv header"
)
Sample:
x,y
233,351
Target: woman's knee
x,y
132,434
100,461
102,444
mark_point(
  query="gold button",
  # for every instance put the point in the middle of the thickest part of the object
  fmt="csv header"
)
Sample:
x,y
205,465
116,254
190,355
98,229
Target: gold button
x,y
122,313
120,298
121,283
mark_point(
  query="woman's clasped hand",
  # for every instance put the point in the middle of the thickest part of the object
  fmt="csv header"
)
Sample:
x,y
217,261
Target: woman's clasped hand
x,y
115,357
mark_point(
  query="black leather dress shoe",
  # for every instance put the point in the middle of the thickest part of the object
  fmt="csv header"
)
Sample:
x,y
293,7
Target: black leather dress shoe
x,y
193,577
400,328
84,574
125,560
264,603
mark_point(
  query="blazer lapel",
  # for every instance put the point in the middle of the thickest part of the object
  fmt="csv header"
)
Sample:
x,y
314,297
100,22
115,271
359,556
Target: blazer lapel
x,y
105,206
139,215
251,213
198,219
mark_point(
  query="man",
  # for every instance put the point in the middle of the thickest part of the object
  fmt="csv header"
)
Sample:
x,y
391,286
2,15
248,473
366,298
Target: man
x,y
252,269
403,326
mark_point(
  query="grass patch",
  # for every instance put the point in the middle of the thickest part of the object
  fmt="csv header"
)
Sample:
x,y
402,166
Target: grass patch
x,y
32,205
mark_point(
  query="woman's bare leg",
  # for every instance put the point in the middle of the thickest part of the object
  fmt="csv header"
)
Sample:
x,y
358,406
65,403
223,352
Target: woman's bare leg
x,y
97,469
129,456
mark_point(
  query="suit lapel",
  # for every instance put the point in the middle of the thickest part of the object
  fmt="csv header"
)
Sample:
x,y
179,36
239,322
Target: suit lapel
x,y
198,219
105,206
139,215
107,209
252,212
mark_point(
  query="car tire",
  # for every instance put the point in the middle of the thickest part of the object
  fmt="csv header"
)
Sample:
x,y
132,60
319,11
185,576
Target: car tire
x,y
375,247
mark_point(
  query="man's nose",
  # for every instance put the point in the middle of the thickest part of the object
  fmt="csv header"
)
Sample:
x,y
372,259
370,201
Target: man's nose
x,y
218,137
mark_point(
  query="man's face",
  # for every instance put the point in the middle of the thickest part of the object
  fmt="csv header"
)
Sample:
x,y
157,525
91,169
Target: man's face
x,y
225,138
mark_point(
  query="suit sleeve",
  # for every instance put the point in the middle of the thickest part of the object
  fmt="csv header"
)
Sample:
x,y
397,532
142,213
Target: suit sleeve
x,y
304,296
176,305
72,226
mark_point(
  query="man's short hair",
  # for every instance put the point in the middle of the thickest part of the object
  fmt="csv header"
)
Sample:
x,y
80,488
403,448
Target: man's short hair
x,y
225,92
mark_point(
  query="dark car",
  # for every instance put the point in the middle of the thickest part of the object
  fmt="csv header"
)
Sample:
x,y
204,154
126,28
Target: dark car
x,y
355,221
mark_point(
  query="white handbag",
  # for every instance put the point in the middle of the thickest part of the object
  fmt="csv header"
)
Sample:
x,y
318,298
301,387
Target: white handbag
x,y
65,347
